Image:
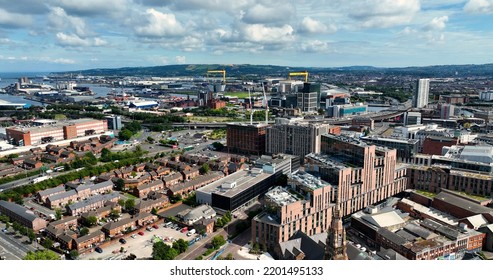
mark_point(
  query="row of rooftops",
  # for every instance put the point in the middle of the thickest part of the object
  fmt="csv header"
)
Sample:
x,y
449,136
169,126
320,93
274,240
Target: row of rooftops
x,y
50,125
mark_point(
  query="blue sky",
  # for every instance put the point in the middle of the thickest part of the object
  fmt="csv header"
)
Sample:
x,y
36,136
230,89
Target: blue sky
x,y
54,35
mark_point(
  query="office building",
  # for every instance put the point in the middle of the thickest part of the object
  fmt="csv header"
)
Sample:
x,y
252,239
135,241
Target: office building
x,y
246,139
340,111
295,137
308,100
244,186
114,122
421,93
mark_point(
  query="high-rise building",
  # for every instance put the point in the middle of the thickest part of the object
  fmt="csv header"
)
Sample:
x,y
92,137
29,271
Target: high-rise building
x,y
421,93
294,137
309,97
246,138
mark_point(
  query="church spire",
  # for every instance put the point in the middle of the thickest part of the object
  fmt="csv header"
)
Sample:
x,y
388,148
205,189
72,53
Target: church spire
x,y
335,248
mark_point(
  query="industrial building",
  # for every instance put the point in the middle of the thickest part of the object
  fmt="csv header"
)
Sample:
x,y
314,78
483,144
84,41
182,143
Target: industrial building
x,y
27,136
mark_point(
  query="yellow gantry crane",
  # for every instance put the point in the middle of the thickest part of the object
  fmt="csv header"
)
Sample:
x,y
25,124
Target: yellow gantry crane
x,y
303,73
218,71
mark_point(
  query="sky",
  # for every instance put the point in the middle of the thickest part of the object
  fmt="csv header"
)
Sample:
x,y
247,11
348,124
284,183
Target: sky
x,y
59,35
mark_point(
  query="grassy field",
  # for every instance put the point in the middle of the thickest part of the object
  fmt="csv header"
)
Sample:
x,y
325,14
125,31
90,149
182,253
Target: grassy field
x,y
240,94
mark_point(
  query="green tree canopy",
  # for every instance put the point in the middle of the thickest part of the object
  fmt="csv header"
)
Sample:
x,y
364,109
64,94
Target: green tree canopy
x,y
161,251
42,255
218,241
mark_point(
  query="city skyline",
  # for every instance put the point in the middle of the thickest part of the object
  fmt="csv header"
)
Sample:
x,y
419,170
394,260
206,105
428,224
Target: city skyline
x,y
73,35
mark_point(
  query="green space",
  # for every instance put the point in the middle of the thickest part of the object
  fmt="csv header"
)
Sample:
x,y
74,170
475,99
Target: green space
x,y
475,197
239,94
425,193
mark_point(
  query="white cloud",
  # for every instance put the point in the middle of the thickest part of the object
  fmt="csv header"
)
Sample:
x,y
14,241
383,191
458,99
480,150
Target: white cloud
x,y
160,25
211,5
14,20
63,61
59,20
5,41
180,59
382,13
315,46
261,13
479,7
309,25
93,7
72,40
260,33
436,24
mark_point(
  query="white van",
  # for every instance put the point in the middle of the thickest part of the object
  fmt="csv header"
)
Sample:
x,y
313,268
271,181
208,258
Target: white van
x,y
190,232
168,224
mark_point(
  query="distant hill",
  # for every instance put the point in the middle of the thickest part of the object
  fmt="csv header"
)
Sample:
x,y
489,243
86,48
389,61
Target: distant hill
x,y
243,70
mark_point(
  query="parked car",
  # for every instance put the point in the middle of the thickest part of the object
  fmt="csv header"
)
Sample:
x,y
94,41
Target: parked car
x,y
122,241
141,233
149,228
98,249
155,226
134,235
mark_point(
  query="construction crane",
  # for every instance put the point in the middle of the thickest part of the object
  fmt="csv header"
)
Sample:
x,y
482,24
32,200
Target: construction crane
x,y
303,73
218,71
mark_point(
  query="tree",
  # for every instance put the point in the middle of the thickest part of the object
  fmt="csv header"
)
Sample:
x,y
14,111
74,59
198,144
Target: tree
x,y
74,254
150,139
161,251
42,255
204,169
119,185
58,213
121,202
31,235
218,146
218,241
47,243
84,231
229,257
154,211
130,204
114,214
125,135
91,221
180,245
133,174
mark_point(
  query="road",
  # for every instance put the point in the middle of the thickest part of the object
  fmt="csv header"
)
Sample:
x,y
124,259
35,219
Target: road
x,y
199,247
13,247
